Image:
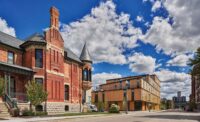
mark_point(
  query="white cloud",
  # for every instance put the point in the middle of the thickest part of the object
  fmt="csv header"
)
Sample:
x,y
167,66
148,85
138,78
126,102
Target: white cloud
x,y
156,6
147,24
179,60
145,0
101,78
139,19
5,28
140,63
108,34
171,82
183,35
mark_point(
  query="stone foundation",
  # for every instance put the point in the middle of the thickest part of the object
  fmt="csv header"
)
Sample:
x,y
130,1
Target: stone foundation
x,y
59,108
53,107
24,106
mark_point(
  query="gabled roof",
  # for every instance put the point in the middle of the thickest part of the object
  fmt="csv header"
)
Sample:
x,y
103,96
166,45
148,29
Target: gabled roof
x,y
71,55
10,40
85,55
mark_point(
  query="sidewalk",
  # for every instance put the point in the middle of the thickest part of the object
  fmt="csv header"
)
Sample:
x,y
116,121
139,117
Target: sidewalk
x,y
33,119
43,118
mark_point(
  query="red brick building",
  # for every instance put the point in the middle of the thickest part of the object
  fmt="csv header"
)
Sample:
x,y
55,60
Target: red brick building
x,y
195,86
43,57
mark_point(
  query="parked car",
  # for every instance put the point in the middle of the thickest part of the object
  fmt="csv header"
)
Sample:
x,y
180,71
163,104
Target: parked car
x,y
92,108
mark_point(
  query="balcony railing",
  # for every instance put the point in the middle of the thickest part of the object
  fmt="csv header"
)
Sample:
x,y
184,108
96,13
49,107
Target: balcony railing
x,y
11,102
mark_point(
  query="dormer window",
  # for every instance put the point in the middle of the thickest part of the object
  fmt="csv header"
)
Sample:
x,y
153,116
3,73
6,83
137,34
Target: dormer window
x,y
39,58
10,57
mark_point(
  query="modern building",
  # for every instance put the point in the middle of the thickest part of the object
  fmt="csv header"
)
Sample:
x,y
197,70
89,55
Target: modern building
x,y
132,93
195,87
179,101
44,58
166,104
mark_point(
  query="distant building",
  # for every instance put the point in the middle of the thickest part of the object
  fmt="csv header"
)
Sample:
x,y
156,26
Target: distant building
x,y
179,101
195,87
166,104
135,92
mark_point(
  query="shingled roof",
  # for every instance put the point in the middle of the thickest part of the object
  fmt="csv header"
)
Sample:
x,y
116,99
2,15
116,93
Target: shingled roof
x,y
10,40
85,55
35,38
72,55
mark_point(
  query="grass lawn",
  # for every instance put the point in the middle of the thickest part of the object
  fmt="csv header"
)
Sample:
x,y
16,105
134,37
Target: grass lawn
x,y
88,113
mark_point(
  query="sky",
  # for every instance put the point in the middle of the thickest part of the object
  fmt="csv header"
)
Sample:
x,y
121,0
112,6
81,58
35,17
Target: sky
x,y
124,37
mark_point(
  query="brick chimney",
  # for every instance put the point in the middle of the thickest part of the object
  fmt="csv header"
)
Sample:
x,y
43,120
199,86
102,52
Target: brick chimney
x,y
54,21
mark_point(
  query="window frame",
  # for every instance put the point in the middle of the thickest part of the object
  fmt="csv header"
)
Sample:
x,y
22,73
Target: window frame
x,y
85,75
13,57
36,63
66,96
36,80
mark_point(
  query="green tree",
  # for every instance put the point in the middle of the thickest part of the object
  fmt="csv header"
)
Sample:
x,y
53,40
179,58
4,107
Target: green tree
x,y
100,106
1,86
35,93
192,105
196,59
195,62
163,105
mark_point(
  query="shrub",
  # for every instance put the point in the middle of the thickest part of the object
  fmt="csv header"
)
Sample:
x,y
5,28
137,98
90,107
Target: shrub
x,y
14,112
89,111
192,105
41,113
100,106
114,109
27,112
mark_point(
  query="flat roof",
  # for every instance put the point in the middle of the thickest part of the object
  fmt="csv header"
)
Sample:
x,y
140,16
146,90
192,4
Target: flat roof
x,y
128,77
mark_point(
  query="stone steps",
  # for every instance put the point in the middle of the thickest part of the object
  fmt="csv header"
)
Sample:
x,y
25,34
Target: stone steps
x,y
4,111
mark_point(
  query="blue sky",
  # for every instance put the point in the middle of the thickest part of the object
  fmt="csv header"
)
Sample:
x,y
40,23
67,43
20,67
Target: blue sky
x,y
125,37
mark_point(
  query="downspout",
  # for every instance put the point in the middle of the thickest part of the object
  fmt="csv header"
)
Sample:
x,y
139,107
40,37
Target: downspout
x,y
45,77
71,81
79,88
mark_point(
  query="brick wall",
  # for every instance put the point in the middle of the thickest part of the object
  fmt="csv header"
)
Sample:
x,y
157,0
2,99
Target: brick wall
x,y
4,54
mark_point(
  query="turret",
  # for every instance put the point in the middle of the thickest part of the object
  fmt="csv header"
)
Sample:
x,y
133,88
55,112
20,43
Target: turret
x,y
86,74
87,64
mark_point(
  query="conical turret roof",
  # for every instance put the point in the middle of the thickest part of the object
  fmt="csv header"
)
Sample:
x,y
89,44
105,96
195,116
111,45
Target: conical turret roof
x,y
85,55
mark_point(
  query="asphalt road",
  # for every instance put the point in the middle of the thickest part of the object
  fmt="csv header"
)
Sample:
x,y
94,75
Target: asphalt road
x,y
139,117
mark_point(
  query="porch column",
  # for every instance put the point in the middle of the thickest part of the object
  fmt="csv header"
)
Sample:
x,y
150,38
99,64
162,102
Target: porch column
x,y
7,83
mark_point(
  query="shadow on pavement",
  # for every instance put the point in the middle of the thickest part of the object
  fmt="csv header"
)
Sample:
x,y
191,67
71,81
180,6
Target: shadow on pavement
x,y
176,117
3,119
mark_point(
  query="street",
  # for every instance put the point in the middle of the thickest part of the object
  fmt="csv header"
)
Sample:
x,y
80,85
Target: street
x,y
139,117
